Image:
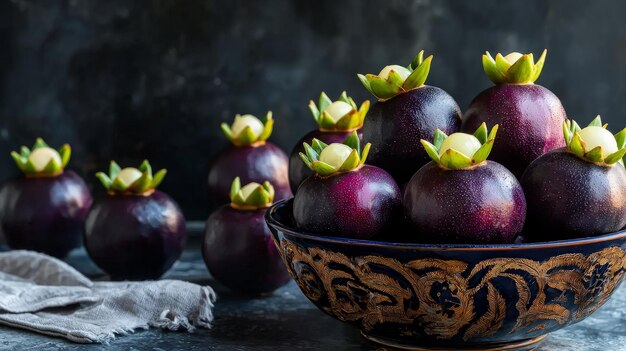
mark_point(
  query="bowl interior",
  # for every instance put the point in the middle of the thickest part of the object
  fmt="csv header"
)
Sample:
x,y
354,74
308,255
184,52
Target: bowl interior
x,y
280,216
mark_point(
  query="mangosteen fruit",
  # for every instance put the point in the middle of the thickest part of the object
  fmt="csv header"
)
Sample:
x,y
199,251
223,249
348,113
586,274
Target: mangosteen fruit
x,y
345,197
407,110
531,116
44,209
134,232
238,248
578,190
461,197
250,157
336,120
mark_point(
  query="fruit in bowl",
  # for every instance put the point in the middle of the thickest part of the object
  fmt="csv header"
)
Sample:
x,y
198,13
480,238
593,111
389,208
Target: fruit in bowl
x,y
451,296
580,189
461,197
134,232
336,120
44,209
529,114
238,249
407,110
345,196
250,157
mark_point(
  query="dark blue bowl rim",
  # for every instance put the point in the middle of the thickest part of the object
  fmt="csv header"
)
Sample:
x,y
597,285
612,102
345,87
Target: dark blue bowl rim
x,y
273,222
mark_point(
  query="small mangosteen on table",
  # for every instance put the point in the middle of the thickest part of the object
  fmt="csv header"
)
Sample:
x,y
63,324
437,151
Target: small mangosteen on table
x,y
345,197
250,157
406,111
44,210
336,121
134,232
529,114
238,247
578,190
461,197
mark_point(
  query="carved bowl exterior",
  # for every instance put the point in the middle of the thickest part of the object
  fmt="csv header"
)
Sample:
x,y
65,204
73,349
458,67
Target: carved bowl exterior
x,y
436,296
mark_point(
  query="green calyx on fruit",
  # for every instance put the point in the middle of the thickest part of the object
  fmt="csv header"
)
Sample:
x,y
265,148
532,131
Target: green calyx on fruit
x,y
513,68
461,150
595,143
252,196
326,160
340,115
42,160
130,180
394,79
249,130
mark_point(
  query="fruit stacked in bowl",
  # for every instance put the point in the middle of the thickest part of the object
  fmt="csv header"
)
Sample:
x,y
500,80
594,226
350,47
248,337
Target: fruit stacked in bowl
x,y
510,224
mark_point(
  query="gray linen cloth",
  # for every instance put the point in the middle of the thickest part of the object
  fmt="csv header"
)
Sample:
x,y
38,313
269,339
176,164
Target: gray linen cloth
x,y
46,295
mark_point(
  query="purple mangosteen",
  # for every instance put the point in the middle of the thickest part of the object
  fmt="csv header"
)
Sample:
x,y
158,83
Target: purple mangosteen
x,y
135,232
238,247
531,116
406,111
336,120
250,157
44,210
345,197
461,197
578,190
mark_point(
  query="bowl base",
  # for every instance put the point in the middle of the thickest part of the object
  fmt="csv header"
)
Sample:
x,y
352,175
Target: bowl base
x,y
518,345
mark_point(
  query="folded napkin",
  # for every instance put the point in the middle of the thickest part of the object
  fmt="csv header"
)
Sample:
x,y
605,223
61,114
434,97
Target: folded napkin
x,y
46,295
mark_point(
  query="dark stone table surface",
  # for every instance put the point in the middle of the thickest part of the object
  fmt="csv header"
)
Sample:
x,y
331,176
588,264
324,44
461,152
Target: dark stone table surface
x,y
286,320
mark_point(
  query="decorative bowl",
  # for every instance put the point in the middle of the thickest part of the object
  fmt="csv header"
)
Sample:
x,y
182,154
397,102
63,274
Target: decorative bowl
x,y
449,296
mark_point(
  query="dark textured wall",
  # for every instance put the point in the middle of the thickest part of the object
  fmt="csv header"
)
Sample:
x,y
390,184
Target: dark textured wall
x,y
130,79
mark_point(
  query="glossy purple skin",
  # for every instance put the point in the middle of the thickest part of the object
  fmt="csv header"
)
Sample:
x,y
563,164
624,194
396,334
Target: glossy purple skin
x,y
358,204
135,237
569,197
298,171
45,214
483,205
530,118
240,253
250,164
395,127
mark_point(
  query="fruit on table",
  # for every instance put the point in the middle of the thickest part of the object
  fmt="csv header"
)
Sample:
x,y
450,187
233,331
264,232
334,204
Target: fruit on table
x,y
250,157
461,197
530,115
44,209
238,248
345,197
406,111
578,190
335,120
134,232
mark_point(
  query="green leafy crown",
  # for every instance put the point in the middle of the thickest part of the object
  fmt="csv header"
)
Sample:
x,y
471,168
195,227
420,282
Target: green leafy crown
x,y
147,182
453,159
261,197
385,89
52,168
351,121
247,137
576,145
523,71
355,160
